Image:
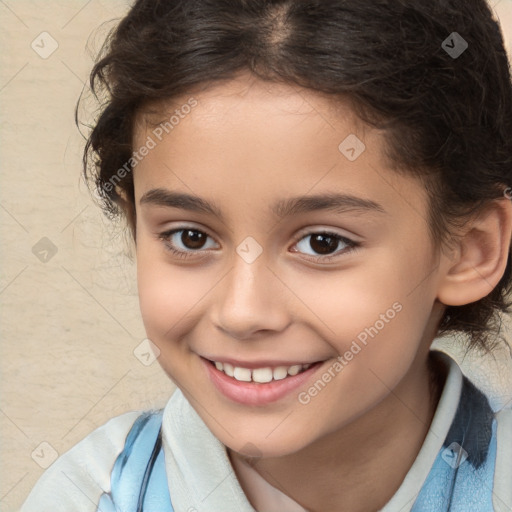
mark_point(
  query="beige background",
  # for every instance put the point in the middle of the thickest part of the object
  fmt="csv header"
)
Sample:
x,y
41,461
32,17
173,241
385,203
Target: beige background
x,y
70,325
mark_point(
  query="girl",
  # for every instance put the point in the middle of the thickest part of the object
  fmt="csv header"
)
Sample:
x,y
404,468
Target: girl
x,y
316,190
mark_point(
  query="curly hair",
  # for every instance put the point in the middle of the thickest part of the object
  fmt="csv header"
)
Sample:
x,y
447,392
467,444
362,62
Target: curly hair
x,y
446,117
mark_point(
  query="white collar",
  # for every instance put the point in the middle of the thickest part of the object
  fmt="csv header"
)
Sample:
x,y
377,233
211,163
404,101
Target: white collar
x,y
201,477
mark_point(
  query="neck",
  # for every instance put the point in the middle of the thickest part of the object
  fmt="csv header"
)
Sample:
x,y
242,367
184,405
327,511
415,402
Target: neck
x,y
362,464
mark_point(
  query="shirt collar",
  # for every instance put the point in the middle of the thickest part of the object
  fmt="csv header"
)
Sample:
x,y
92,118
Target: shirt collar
x,y
200,474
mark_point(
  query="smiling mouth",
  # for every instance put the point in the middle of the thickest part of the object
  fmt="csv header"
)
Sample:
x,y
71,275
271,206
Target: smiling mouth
x,y
261,375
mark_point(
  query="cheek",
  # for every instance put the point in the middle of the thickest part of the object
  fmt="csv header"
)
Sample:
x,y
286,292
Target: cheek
x,y
169,296
376,315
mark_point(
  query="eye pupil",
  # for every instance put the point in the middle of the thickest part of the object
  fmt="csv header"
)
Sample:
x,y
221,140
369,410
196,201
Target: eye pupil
x,y
323,244
197,239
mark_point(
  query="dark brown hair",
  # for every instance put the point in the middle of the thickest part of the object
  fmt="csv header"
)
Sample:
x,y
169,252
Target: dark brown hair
x,y
446,110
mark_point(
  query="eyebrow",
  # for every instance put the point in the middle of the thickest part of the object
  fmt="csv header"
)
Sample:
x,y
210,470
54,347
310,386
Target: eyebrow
x,y
339,203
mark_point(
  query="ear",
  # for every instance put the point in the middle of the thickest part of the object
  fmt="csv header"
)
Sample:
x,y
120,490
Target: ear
x,y
479,256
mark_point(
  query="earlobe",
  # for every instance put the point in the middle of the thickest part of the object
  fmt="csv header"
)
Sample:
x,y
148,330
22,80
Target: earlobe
x,y
480,257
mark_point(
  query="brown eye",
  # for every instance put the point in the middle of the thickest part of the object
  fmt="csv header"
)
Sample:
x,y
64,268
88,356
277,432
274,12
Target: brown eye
x,y
186,242
324,244
193,239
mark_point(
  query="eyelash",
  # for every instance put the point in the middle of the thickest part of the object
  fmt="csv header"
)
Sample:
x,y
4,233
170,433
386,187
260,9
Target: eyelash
x,y
351,245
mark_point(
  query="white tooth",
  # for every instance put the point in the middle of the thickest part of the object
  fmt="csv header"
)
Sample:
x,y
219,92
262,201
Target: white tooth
x,y
228,369
306,366
280,373
293,370
243,374
262,375
218,365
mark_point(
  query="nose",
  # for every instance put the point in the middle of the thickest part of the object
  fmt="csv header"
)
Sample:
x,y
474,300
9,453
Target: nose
x,y
251,301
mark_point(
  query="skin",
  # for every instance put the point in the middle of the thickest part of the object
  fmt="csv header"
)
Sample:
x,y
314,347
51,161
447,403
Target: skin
x,y
244,146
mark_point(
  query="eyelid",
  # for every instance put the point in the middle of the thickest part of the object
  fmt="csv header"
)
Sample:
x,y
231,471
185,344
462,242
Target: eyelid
x,y
183,227
325,229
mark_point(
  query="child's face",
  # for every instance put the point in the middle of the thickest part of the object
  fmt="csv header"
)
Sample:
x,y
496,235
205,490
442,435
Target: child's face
x,y
244,148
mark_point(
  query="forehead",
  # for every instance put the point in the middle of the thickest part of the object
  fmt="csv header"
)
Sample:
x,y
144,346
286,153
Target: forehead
x,y
244,94
248,141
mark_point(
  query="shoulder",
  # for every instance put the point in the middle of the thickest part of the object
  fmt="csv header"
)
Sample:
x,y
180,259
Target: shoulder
x,y
503,470
487,441
77,478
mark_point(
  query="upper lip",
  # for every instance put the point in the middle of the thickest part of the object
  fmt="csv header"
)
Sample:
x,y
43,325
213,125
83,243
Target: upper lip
x,y
265,363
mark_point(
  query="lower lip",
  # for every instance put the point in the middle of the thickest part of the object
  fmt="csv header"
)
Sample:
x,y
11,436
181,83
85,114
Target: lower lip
x,y
254,393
